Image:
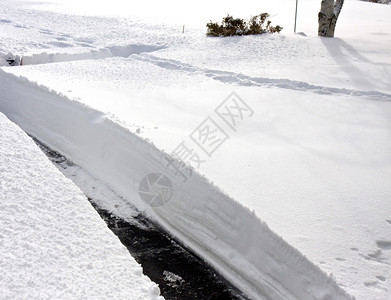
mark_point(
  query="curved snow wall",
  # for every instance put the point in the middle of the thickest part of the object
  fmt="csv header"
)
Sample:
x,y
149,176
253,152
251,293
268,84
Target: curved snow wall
x,y
113,51
219,229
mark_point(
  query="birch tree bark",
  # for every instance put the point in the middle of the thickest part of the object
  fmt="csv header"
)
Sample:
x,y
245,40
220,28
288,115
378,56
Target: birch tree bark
x,y
327,17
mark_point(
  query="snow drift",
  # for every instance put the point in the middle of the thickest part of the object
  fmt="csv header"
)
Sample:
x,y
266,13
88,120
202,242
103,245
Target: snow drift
x,y
222,231
53,244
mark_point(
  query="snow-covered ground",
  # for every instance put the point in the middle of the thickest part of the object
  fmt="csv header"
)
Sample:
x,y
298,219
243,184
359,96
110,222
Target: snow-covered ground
x,y
221,230
53,244
313,161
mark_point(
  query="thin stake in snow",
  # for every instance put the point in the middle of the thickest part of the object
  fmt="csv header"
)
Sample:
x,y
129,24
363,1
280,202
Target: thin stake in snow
x,y
295,16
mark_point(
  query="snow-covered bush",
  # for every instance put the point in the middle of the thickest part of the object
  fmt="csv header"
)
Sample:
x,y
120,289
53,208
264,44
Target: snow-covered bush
x,y
230,26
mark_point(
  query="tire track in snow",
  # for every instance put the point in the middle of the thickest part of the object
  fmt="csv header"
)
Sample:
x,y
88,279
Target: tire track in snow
x,y
140,52
245,80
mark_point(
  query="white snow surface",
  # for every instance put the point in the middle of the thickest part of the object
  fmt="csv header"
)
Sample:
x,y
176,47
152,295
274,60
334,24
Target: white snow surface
x,y
221,230
313,162
53,244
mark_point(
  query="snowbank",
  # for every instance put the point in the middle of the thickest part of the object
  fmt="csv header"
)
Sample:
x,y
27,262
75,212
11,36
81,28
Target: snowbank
x,y
313,162
221,230
113,51
53,244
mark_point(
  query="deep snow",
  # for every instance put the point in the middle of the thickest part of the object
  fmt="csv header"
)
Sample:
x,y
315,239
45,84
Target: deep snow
x,y
313,161
53,244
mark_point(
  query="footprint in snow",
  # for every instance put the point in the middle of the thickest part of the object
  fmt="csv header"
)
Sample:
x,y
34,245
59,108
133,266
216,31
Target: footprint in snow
x,y
370,283
340,259
84,45
45,31
61,39
374,284
385,245
65,35
375,256
381,278
21,26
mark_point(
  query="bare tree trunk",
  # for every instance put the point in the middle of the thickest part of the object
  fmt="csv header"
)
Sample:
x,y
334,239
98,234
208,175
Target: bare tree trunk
x,y
327,17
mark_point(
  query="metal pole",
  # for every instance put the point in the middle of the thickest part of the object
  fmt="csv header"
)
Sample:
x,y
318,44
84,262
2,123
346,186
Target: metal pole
x,y
296,15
